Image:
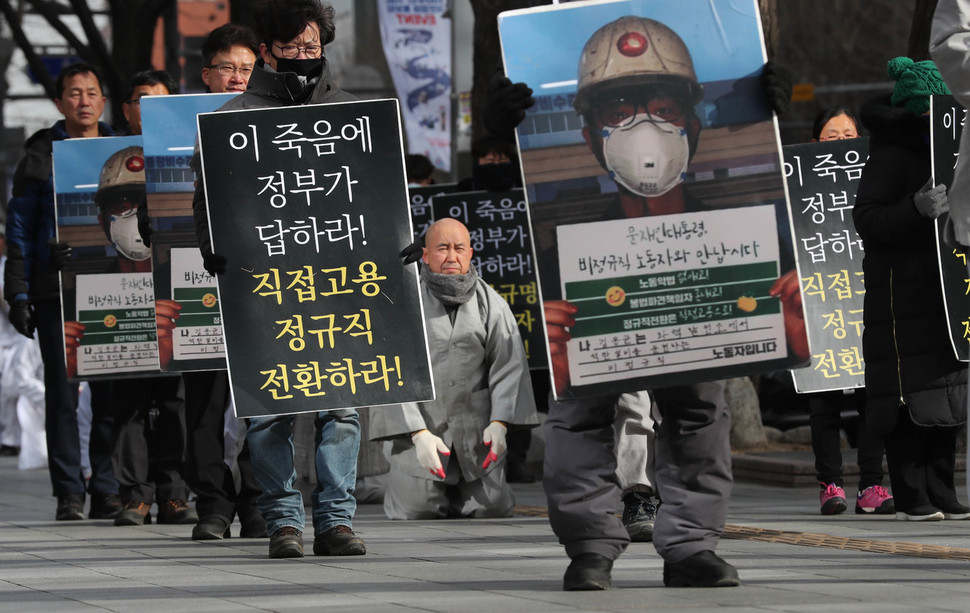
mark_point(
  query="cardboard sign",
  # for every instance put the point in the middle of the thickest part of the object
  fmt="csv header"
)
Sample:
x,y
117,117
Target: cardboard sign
x,y
107,293
422,215
169,133
660,220
309,206
822,182
499,226
947,119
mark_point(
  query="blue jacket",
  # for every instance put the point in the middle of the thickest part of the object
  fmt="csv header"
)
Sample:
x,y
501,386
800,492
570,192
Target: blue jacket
x,y
31,221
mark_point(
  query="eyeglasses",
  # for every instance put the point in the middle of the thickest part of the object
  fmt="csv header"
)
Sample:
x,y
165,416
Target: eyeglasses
x,y
227,70
618,110
291,52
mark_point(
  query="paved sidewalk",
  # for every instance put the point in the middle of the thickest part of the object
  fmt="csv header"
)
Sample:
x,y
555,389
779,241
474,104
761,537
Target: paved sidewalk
x,y
472,566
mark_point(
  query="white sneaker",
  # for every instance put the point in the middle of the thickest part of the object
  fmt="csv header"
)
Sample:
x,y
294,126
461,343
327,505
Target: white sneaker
x,y
937,516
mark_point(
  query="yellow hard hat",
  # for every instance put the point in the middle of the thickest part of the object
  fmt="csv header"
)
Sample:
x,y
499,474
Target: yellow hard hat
x,y
633,51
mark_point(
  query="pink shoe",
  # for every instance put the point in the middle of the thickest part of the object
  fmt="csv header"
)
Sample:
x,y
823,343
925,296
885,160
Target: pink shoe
x,y
832,498
875,500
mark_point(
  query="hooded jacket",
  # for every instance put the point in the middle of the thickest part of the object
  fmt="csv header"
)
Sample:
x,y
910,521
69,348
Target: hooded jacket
x,y
267,89
31,220
905,342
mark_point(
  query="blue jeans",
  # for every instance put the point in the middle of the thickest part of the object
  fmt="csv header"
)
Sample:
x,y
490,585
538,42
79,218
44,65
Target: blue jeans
x,y
271,449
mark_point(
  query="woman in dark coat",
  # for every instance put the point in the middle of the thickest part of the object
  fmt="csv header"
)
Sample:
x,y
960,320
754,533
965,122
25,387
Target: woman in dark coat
x,y
916,388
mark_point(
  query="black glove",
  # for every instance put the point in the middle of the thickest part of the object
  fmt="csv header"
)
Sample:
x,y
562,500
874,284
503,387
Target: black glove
x,y
777,83
505,105
214,263
60,254
412,253
22,317
144,225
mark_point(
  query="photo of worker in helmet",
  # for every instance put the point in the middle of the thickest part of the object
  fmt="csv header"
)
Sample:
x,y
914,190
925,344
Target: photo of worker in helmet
x,y
661,260
108,274
169,133
645,126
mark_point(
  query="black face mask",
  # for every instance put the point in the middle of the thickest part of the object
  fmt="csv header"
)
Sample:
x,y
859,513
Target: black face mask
x,y
494,177
309,68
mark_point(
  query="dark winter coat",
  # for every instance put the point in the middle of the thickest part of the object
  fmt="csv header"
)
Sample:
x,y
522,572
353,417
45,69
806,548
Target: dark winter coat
x,y
909,358
267,88
31,221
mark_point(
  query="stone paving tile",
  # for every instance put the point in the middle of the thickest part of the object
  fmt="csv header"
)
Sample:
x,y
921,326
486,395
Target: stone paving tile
x,y
498,566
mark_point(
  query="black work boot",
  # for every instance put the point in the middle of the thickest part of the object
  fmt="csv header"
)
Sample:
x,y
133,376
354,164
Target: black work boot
x,y
703,569
589,571
210,528
639,513
70,507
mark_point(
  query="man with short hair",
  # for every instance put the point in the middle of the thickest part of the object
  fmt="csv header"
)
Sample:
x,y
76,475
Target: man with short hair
x,y
482,388
32,288
228,58
144,83
293,70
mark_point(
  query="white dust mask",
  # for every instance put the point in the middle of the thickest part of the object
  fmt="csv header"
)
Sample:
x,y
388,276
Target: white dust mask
x,y
648,157
125,236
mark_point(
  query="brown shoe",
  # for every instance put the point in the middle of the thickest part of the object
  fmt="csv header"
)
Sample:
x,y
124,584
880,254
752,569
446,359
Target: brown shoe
x,y
339,541
105,506
287,542
135,513
176,511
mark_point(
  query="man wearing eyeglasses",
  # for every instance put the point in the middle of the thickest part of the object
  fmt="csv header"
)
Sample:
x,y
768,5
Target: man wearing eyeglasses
x,y
228,58
293,70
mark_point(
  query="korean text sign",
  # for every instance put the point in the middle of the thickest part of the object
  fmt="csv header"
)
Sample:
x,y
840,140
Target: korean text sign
x,y
309,206
107,294
947,119
169,134
498,223
822,182
657,227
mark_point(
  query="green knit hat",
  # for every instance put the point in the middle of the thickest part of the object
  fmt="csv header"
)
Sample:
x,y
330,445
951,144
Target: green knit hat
x,y
915,83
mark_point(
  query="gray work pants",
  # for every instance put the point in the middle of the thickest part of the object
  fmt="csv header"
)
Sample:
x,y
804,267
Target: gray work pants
x,y
693,472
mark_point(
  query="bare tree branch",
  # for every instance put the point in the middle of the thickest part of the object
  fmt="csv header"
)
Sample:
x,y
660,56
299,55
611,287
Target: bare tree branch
x,y
33,60
51,12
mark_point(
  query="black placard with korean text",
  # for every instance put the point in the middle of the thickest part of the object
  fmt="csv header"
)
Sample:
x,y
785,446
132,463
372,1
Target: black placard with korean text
x,y
947,118
822,182
499,226
309,205
421,196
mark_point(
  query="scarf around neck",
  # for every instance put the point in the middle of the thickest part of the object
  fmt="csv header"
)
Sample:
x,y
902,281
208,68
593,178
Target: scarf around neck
x,y
451,289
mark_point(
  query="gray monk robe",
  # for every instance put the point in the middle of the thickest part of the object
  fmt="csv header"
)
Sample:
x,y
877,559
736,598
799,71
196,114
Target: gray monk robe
x,y
480,375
